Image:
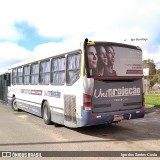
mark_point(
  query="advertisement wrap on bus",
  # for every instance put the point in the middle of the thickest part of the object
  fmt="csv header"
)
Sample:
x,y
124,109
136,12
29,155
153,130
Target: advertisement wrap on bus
x,y
110,59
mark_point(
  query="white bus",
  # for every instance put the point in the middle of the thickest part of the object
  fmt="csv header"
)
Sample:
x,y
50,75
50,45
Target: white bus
x,y
100,82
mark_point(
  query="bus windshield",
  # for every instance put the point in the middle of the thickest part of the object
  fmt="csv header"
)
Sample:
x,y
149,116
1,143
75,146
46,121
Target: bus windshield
x,y
108,59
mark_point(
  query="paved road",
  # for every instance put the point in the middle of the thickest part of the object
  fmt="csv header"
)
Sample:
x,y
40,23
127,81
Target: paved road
x,y
21,131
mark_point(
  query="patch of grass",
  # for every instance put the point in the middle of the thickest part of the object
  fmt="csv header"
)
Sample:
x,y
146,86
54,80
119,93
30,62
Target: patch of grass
x,y
152,100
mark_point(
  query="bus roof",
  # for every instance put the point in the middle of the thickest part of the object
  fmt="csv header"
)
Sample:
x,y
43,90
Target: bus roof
x,y
56,53
64,50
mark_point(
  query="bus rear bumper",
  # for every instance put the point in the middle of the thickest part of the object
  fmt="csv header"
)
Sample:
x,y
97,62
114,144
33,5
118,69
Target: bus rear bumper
x,y
110,117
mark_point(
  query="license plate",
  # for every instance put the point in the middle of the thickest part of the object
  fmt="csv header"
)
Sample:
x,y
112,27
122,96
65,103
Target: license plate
x,y
118,118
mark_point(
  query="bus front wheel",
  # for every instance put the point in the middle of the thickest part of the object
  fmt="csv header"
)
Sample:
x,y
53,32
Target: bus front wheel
x,y
46,113
14,104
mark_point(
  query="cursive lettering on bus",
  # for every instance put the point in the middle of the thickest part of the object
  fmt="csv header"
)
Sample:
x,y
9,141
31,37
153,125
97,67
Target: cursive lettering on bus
x,y
52,93
115,92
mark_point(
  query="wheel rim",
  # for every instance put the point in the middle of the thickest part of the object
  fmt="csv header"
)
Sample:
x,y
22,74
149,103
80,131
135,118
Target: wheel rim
x,y
45,113
14,104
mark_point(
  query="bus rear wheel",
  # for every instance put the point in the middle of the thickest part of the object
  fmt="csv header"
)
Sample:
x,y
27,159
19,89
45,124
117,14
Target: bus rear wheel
x,y
46,113
14,104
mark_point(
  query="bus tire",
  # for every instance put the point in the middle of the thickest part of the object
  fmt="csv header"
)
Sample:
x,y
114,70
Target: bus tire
x,y
46,113
14,104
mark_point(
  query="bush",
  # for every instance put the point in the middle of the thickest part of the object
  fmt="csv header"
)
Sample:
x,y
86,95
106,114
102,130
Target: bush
x,y
152,100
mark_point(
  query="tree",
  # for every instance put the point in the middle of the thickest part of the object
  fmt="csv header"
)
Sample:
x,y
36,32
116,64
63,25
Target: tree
x,y
153,81
158,71
158,75
149,63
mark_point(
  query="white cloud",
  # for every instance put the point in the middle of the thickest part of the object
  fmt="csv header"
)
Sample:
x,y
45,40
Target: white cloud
x,y
152,55
59,18
52,48
8,32
11,53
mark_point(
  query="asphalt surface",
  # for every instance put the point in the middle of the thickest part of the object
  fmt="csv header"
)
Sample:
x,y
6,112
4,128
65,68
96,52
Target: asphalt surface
x,y
21,131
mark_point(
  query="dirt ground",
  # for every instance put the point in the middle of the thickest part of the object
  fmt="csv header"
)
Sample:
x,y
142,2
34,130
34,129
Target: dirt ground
x,y
152,109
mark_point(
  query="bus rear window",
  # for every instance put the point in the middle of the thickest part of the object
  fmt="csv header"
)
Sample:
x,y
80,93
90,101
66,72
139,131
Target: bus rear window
x,y
112,60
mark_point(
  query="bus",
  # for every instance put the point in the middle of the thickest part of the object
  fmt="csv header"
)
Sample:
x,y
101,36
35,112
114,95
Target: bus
x,y
97,83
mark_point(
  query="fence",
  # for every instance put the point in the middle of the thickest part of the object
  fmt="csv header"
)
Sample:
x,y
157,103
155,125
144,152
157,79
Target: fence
x,y
153,92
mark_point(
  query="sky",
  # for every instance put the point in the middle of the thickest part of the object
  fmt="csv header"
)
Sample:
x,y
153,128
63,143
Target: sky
x,y
37,28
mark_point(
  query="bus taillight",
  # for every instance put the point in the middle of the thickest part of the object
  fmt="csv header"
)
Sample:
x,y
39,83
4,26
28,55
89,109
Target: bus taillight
x,y
87,102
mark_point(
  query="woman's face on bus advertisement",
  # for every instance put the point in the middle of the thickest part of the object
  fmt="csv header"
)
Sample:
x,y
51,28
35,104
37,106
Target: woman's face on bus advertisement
x,y
102,56
111,55
92,57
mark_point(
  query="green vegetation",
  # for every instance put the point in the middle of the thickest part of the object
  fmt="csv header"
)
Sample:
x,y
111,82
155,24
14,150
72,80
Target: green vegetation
x,y
152,100
154,74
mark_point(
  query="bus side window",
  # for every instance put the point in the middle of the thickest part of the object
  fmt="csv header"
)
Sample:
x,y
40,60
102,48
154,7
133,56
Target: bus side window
x,y
44,72
34,73
58,71
19,75
73,68
26,74
14,76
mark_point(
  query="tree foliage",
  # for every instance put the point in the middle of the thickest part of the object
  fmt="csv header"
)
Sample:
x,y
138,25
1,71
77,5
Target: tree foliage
x,y
158,71
153,73
149,63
